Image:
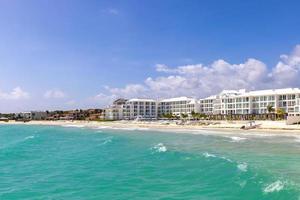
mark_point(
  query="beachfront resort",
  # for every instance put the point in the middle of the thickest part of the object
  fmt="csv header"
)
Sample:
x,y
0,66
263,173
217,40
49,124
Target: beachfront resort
x,y
239,105
236,104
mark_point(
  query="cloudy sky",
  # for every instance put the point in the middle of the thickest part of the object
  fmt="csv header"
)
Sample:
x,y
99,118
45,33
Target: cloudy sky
x,y
65,54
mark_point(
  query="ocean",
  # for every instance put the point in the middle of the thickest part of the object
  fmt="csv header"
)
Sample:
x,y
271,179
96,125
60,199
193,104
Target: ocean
x,y
77,163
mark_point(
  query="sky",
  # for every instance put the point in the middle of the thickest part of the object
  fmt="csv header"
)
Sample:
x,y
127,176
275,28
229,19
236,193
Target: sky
x,y
68,54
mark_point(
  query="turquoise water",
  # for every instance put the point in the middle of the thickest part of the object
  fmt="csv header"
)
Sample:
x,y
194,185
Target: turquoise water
x,y
44,162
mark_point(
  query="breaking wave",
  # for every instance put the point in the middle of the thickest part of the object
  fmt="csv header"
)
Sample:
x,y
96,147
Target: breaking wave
x,y
29,137
237,139
274,187
208,155
106,141
73,125
242,167
159,148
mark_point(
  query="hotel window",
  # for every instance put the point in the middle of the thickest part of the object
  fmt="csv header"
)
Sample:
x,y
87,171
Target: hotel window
x,y
282,97
271,98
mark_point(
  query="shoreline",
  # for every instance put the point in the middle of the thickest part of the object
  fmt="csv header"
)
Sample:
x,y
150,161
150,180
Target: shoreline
x,y
225,127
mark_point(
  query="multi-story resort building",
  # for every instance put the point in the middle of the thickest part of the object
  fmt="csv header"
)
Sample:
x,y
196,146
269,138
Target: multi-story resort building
x,y
228,102
115,111
231,102
140,108
177,106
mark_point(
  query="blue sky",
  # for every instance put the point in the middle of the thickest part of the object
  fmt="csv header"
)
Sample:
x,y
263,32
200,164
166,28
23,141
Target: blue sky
x,y
76,54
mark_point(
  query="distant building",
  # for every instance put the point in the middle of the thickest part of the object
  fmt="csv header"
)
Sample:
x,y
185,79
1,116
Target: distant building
x,y
26,116
4,119
120,102
39,115
114,112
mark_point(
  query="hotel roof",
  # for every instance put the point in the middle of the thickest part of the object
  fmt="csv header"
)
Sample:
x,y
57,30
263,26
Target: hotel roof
x,y
274,91
141,100
178,99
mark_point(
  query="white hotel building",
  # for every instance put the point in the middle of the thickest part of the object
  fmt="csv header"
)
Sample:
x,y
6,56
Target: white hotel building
x,y
177,106
144,108
228,102
254,102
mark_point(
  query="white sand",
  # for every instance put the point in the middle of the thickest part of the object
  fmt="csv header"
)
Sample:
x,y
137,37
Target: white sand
x,y
278,127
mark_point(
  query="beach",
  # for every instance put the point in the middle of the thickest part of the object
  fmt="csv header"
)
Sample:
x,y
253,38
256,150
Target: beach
x,y
276,127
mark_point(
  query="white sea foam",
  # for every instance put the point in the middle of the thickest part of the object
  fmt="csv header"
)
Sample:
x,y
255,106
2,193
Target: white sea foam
x,y
131,129
106,140
207,155
227,159
73,125
29,137
297,139
159,148
237,139
274,187
103,127
242,167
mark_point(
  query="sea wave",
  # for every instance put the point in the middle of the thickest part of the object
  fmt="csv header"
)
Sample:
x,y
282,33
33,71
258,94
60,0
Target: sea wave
x,y
227,159
237,139
274,187
103,127
131,129
160,147
29,137
297,139
106,141
208,155
74,125
242,167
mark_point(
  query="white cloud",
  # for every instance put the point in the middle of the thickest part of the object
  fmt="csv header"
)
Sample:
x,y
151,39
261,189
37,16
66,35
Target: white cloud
x,y
201,80
287,71
54,94
16,94
131,90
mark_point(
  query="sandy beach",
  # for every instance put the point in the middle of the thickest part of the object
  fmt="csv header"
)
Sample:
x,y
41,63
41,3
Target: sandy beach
x,y
274,127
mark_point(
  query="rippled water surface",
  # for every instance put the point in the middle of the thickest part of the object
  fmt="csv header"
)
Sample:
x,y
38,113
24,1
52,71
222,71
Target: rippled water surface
x,y
43,162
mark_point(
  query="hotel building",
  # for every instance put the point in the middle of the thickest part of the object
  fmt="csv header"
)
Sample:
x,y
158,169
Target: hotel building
x,y
230,102
177,106
140,108
115,111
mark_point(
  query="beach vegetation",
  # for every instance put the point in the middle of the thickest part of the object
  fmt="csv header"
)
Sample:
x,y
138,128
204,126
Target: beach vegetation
x,y
280,113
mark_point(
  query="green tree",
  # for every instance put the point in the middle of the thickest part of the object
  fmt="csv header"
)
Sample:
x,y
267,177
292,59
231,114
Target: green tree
x,y
270,108
280,112
183,115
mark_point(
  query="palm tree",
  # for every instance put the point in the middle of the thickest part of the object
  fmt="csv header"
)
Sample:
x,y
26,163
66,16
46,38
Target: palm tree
x,y
270,108
280,112
183,115
194,114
